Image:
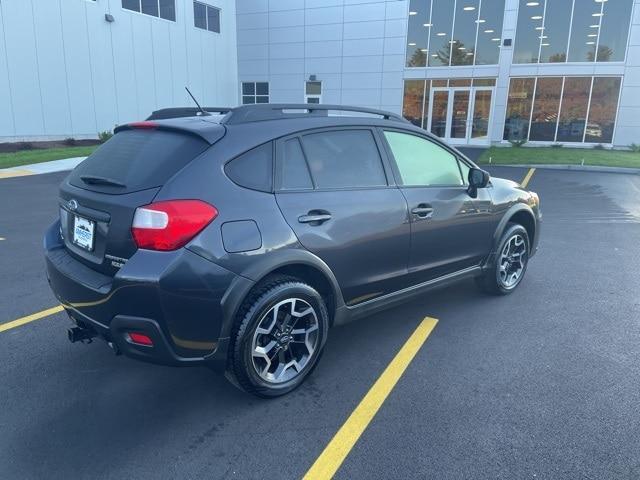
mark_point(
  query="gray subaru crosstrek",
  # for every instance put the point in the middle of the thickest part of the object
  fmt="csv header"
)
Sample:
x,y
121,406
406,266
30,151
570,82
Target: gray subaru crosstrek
x,y
237,239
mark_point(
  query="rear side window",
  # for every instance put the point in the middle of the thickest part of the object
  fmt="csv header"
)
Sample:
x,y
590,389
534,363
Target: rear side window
x,y
422,162
295,173
136,160
344,158
253,169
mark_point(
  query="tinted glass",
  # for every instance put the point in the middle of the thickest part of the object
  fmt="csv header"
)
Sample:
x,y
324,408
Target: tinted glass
x,y
464,168
139,159
421,162
528,31
200,17
489,32
261,99
545,109
413,100
439,113
131,5
213,19
602,111
418,33
150,7
555,36
168,9
614,30
294,170
464,32
345,158
584,31
573,111
440,37
262,88
248,88
253,169
516,124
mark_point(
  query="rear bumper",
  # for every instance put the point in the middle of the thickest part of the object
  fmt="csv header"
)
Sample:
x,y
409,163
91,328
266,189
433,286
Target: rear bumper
x,y
176,298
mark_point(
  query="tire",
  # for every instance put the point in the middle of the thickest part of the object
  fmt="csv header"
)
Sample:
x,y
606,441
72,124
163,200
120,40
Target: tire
x,y
503,281
266,356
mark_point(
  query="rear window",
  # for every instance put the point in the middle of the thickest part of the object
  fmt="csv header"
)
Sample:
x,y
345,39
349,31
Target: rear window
x,y
136,160
344,158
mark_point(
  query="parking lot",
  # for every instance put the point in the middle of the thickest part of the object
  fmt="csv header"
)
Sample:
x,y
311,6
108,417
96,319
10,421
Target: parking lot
x,y
539,384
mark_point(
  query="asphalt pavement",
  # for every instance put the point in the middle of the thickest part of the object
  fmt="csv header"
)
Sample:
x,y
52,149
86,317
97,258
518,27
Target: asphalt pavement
x,y
539,384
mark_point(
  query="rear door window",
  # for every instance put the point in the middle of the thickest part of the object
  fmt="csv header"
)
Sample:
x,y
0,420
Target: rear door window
x,y
294,171
344,159
134,160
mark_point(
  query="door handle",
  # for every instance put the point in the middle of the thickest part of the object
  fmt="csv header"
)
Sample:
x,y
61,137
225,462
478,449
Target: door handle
x,y
423,210
314,217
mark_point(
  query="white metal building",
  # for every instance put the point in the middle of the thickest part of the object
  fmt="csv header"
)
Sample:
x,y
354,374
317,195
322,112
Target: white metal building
x,y
471,71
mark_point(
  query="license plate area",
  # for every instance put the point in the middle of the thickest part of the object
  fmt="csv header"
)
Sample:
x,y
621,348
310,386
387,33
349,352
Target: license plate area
x,y
84,233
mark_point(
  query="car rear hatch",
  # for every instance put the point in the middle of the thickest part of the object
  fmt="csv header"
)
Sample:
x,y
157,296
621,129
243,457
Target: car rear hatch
x,y
99,198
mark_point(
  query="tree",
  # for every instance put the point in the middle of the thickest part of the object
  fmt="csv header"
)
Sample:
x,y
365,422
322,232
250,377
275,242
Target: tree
x,y
604,54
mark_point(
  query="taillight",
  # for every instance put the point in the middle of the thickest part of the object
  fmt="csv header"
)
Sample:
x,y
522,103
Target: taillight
x,y
170,225
140,339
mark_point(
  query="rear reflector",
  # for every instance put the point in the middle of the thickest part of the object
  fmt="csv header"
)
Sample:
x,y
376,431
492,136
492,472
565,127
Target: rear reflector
x,y
140,338
171,224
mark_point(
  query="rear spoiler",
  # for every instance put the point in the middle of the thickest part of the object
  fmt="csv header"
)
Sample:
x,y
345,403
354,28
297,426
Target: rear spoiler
x,y
202,127
180,112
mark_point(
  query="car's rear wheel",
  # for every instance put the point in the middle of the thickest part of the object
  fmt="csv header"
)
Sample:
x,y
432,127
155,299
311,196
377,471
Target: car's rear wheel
x,y
278,337
511,262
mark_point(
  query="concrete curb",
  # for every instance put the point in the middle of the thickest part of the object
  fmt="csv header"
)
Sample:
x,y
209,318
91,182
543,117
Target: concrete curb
x,y
39,168
575,168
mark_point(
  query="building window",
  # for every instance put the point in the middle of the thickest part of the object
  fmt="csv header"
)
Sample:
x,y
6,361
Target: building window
x,y
562,109
313,92
572,31
156,8
206,17
255,92
443,33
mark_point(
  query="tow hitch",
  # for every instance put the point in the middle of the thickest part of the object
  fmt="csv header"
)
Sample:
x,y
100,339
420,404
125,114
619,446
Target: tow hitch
x,y
78,334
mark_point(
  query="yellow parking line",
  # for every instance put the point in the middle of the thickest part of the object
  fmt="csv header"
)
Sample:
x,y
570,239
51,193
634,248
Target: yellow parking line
x,y
336,451
527,177
15,173
29,318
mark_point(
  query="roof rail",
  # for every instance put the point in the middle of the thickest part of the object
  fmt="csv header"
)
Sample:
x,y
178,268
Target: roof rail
x,y
178,112
276,111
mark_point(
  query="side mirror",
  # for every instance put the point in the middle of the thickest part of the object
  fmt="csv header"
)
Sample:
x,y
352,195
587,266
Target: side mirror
x,y
477,179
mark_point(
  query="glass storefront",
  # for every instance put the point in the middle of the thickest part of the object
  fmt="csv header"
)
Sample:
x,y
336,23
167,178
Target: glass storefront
x,y
551,31
562,109
454,32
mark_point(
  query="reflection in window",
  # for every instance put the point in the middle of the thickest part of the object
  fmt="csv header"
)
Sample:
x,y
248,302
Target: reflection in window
x,y
464,32
545,109
574,105
573,112
555,36
418,33
489,32
613,31
440,37
412,104
584,31
516,125
593,28
529,31
602,110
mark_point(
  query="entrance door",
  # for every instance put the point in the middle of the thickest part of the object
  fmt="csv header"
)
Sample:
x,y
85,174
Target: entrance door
x,y
461,115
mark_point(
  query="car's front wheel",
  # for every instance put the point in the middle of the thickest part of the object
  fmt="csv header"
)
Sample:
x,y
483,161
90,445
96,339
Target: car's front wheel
x,y
511,262
278,337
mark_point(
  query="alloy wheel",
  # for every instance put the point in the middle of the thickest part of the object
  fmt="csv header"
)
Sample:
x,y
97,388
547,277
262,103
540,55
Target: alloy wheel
x,y
284,341
512,262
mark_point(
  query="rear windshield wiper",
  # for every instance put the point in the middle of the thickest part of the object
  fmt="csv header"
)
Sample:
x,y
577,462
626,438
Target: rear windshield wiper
x,y
93,180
